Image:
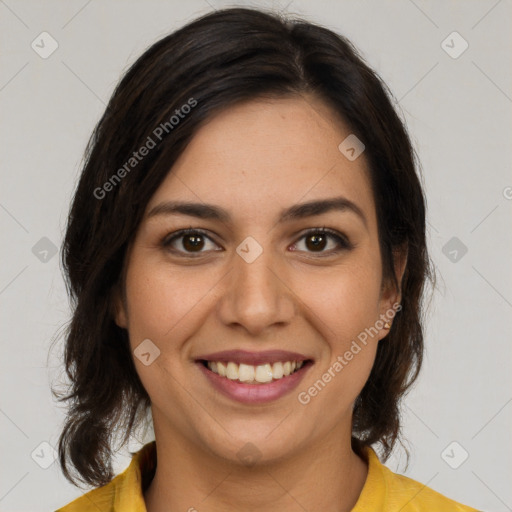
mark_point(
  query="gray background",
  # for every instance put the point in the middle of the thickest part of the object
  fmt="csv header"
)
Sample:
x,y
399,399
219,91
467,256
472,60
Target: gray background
x,y
458,111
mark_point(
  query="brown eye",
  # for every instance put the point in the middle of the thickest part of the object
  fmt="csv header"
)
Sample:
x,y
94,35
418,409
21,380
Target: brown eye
x,y
193,242
317,240
188,242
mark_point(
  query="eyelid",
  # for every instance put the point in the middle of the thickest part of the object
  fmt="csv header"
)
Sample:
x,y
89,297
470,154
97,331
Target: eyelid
x,y
168,239
343,241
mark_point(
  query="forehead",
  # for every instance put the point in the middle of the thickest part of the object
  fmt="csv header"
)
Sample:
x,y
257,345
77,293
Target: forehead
x,y
260,156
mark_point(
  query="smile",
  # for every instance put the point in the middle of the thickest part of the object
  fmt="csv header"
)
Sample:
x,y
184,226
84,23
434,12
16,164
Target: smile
x,y
253,378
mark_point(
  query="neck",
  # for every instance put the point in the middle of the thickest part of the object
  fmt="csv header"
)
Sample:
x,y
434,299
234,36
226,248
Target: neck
x,y
326,476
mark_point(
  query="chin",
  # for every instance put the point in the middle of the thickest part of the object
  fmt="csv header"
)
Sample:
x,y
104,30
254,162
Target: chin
x,y
251,443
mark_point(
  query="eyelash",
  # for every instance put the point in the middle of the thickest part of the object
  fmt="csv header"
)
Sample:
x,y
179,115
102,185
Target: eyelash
x,y
341,240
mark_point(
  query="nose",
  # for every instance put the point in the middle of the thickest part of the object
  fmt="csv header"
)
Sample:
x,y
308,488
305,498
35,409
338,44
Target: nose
x,y
256,295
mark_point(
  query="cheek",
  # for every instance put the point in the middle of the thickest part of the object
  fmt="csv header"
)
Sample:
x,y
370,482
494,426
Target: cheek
x,y
161,301
343,302
161,308
344,306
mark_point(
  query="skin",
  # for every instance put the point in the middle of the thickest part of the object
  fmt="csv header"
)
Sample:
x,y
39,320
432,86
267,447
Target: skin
x,y
254,160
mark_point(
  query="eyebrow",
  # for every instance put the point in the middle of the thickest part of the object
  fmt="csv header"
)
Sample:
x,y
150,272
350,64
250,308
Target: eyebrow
x,y
298,211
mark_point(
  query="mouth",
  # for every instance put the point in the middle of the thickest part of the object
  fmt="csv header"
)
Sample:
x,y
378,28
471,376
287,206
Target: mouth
x,y
250,377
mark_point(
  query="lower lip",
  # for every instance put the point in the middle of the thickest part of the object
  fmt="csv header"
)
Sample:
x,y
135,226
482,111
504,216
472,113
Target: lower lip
x,y
255,393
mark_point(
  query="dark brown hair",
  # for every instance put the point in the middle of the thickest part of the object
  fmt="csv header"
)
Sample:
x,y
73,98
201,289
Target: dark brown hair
x,y
222,58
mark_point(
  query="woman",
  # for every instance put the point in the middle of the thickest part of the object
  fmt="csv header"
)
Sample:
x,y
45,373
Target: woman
x,y
246,255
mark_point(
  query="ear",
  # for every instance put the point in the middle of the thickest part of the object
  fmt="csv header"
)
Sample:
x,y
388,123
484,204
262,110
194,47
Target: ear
x,y
118,308
391,297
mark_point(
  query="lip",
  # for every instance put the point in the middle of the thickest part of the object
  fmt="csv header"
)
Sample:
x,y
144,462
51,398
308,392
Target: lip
x,y
255,393
254,358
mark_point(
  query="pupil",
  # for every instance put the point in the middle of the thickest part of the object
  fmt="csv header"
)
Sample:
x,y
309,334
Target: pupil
x,y
192,242
318,241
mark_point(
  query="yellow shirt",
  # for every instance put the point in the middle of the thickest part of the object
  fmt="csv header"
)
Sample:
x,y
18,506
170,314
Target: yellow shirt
x,y
383,491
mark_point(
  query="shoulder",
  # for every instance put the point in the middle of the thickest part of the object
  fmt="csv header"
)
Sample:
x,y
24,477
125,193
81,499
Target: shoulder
x,y
415,496
386,490
125,492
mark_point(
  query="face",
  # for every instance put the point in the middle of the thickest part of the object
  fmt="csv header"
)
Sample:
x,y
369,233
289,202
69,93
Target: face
x,y
258,278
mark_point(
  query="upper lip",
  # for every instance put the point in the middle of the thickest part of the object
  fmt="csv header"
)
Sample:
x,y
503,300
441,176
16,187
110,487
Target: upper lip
x,y
254,358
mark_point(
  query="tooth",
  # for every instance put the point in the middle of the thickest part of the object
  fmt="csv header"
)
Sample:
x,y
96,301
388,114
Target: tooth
x,y
221,369
232,371
248,373
277,370
245,372
263,373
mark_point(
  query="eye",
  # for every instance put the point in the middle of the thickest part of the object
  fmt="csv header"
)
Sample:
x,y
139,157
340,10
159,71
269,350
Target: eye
x,y
192,241
317,239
